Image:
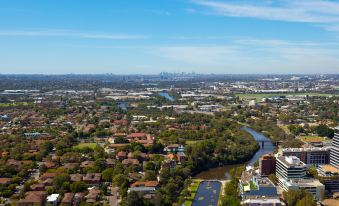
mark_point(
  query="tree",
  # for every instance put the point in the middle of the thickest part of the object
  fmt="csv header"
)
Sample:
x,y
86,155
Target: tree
x,y
273,178
107,174
42,168
285,117
133,199
156,147
171,191
46,148
292,143
60,181
230,201
149,166
312,171
231,188
78,187
150,175
307,200
120,180
296,129
298,198
324,131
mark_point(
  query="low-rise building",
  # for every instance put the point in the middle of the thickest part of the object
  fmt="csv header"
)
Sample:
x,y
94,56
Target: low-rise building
x,y
173,148
36,198
257,187
92,178
313,186
5,181
330,177
144,188
262,201
52,200
67,200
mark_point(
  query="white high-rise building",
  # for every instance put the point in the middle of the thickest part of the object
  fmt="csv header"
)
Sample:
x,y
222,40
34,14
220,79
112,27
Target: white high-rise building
x,y
291,174
289,167
334,155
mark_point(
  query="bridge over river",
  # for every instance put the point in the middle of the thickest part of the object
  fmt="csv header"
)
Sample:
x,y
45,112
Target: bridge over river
x,y
222,173
209,190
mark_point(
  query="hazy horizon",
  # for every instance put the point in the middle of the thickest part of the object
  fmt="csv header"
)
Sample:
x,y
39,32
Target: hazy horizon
x,y
174,73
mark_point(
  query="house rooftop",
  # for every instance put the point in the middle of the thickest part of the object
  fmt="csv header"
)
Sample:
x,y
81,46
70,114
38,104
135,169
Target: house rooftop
x,y
141,189
145,184
68,198
52,197
5,181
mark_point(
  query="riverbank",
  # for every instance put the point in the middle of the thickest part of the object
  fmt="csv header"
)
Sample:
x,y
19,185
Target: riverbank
x,y
223,172
193,188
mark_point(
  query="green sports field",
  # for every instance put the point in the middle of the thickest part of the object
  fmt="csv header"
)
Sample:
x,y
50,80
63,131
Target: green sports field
x,y
258,97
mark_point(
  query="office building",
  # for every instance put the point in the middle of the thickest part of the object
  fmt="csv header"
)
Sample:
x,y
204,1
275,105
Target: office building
x,y
267,165
334,157
290,167
311,155
330,172
311,185
291,173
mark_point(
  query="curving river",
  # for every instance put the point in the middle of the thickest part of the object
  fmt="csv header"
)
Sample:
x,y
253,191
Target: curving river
x,y
166,95
222,173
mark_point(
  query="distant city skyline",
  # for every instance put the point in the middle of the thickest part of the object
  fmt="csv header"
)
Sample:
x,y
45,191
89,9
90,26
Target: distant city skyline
x,y
153,36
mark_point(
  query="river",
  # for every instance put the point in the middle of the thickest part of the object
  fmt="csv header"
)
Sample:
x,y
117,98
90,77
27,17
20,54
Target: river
x,y
166,95
122,105
223,173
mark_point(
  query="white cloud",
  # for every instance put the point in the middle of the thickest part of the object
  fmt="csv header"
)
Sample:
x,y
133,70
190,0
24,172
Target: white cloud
x,y
69,33
334,27
254,56
312,11
279,43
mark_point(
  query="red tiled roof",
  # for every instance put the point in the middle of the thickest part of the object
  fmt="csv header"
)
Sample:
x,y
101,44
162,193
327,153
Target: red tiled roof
x,y
121,154
68,198
5,181
33,197
145,184
135,135
48,175
130,161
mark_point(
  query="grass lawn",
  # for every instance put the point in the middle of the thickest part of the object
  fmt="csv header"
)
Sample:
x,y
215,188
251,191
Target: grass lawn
x,y
191,142
83,145
14,104
313,138
193,188
259,97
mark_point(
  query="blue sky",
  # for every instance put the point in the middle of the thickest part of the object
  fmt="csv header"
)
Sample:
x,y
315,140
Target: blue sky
x,y
150,36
